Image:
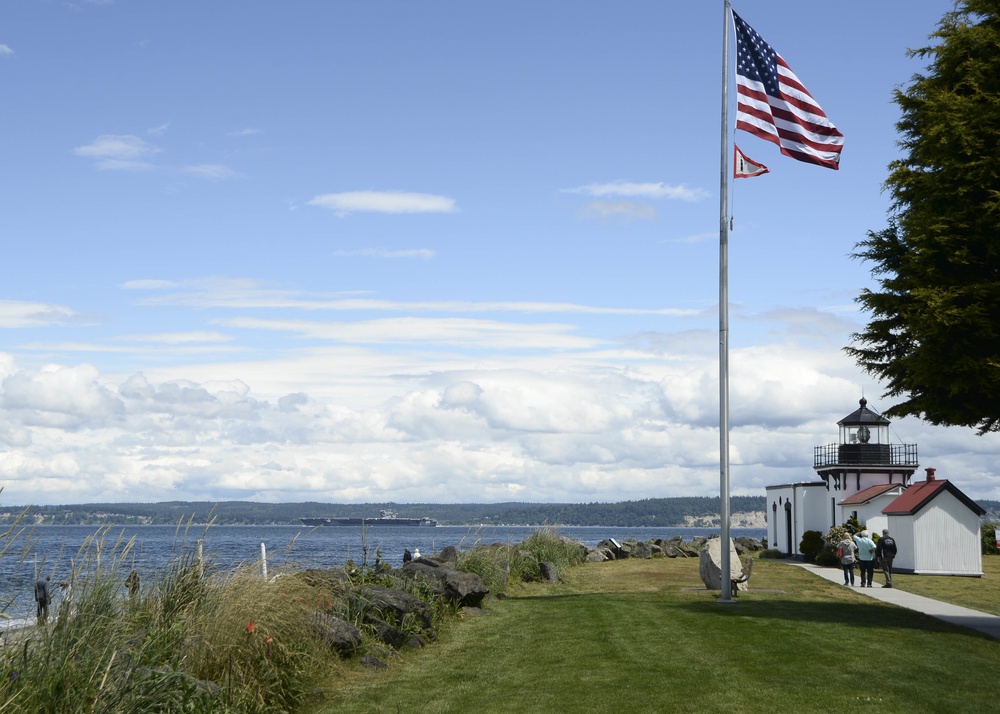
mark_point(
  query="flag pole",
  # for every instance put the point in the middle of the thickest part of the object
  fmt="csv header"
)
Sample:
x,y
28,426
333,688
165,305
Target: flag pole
x,y
726,575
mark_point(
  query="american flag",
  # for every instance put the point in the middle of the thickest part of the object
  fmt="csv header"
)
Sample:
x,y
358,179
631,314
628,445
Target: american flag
x,y
771,103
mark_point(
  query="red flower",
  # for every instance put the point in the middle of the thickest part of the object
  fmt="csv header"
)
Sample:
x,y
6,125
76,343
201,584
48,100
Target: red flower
x,y
250,627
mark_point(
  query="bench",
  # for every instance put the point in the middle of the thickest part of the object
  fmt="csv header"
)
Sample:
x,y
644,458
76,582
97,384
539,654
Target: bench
x,y
743,577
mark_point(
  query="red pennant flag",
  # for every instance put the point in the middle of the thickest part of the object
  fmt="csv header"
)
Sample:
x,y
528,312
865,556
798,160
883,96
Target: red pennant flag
x,y
745,167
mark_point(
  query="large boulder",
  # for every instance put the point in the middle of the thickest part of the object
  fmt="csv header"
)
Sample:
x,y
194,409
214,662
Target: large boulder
x,y
642,550
599,555
745,545
393,605
339,635
464,589
548,572
710,564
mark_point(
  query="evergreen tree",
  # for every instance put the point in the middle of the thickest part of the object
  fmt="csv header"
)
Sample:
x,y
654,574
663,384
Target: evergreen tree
x,y
934,335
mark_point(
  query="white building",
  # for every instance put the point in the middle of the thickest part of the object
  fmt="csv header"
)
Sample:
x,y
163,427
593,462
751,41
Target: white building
x,y
935,525
863,459
936,528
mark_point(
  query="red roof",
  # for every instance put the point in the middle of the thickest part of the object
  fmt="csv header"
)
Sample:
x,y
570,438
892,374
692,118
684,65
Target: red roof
x,y
921,493
868,494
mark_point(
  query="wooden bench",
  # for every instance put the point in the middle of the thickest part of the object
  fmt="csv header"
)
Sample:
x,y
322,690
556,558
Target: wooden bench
x,y
744,576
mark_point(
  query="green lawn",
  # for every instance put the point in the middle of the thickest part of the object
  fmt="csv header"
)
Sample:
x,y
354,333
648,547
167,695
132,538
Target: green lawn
x,y
978,593
644,636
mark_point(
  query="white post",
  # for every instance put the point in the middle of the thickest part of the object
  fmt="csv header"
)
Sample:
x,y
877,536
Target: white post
x,y
263,561
726,596
201,562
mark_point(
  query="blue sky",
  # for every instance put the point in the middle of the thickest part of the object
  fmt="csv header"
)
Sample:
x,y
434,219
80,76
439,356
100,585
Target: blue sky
x,y
429,251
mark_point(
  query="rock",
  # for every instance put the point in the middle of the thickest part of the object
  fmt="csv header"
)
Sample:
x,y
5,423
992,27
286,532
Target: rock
x,y
690,550
372,662
449,555
672,551
642,550
465,589
599,555
710,564
339,635
386,633
746,545
548,572
393,605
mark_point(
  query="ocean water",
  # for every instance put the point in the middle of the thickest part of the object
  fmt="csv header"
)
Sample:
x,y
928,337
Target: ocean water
x,y
150,550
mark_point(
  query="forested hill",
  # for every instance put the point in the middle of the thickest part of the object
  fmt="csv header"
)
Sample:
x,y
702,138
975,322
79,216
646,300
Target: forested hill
x,y
663,512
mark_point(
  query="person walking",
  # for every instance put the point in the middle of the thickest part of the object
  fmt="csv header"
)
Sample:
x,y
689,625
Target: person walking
x,y
885,552
866,558
846,552
43,596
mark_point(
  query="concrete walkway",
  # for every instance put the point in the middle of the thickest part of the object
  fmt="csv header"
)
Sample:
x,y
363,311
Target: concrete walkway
x,y
990,624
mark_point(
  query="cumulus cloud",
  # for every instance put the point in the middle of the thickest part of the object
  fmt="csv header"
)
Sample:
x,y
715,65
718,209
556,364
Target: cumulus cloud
x,y
445,408
384,202
119,152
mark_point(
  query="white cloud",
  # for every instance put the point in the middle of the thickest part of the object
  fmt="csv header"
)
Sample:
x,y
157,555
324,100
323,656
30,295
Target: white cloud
x,y
14,314
235,294
6,51
623,209
384,202
629,189
175,338
453,331
119,152
212,172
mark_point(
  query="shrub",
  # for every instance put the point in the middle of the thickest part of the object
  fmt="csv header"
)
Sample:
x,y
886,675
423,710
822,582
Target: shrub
x,y
811,545
772,553
988,533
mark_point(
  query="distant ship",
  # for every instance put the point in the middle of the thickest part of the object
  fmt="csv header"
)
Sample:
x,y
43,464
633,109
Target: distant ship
x,y
385,518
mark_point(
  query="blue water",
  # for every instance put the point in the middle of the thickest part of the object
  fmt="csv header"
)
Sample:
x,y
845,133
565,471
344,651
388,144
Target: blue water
x,y
56,550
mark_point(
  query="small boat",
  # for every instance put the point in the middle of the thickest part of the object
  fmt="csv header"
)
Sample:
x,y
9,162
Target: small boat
x,y
386,518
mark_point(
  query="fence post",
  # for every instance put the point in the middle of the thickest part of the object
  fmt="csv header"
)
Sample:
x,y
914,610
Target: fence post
x,y
263,561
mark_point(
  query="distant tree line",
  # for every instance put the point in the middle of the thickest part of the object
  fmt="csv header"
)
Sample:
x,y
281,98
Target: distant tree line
x,y
663,512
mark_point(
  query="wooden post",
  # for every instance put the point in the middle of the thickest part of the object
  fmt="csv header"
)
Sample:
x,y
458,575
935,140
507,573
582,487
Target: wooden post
x,y
201,562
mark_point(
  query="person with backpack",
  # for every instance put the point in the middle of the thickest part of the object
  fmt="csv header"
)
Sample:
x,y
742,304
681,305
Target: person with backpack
x,y
885,551
866,558
846,551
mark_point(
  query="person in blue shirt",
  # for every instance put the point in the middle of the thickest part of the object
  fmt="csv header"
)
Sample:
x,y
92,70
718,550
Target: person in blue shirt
x,y
866,558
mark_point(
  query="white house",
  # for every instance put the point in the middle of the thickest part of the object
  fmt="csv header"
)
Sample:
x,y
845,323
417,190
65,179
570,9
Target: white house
x,y
936,528
935,525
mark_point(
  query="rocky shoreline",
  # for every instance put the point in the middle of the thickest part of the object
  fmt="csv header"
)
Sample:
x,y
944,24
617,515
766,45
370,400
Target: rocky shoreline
x,y
465,592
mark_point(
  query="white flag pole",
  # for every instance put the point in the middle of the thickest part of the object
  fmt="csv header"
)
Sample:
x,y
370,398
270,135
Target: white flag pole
x,y
726,575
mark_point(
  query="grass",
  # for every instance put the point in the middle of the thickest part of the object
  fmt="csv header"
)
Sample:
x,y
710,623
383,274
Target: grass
x,y
644,636
189,642
978,593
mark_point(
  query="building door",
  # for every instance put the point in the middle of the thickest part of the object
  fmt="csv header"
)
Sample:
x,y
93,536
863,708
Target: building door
x,y
788,527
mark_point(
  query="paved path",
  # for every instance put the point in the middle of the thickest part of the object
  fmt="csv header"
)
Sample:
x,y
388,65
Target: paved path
x,y
955,614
